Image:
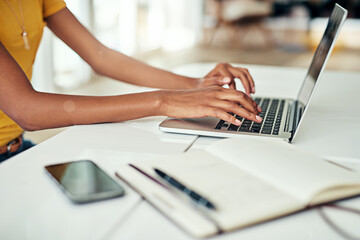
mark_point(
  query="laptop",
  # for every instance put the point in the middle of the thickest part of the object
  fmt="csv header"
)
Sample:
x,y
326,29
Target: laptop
x,y
281,117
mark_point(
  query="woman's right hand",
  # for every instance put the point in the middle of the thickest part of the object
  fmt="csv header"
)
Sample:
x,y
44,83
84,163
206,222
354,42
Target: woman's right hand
x,y
214,101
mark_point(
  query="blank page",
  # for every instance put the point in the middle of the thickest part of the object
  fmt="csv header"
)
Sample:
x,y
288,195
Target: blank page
x,y
296,172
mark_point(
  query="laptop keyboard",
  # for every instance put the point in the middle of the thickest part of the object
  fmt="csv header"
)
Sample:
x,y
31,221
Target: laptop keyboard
x,y
272,112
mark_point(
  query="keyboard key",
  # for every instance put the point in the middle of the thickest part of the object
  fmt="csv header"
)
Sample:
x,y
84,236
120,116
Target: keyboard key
x,y
239,117
272,112
244,130
246,127
233,127
220,124
257,130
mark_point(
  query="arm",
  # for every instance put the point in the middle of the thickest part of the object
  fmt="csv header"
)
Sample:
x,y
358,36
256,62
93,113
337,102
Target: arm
x,y
113,64
34,110
108,62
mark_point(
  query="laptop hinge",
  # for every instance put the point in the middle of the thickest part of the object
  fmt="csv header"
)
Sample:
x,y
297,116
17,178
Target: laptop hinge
x,y
296,113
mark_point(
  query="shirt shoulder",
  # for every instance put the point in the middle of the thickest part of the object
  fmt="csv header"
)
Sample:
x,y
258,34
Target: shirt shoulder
x,y
51,7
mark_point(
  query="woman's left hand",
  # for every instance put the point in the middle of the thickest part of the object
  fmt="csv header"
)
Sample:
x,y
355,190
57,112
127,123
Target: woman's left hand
x,y
224,73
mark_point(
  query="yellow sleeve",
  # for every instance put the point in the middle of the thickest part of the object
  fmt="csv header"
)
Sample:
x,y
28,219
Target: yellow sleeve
x,y
52,6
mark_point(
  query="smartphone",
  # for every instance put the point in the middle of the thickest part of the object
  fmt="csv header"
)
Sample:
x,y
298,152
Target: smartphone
x,y
83,181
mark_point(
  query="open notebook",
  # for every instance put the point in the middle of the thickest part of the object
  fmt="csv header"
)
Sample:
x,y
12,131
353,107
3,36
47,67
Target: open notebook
x,y
248,180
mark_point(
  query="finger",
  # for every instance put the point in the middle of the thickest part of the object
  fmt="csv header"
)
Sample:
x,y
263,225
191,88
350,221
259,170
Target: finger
x,y
232,107
256,106
218,80
232,85
251,80
248,115
238,97
219,113
243,78
223,70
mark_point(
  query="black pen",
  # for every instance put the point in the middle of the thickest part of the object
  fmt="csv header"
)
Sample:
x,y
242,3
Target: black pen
x,y
193,195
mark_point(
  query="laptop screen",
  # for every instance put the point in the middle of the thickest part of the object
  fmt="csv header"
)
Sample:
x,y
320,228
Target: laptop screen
x,y
322,53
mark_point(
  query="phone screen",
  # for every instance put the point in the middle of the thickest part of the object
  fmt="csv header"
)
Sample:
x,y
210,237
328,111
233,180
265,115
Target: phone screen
x,y
83,181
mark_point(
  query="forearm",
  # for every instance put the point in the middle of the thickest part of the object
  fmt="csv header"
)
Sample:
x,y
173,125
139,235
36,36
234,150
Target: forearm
x,y
113,64
108,62
121,67
34,110
42,110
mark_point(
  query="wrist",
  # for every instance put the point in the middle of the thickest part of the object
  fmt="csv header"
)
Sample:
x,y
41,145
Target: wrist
x,y
188,82
163,101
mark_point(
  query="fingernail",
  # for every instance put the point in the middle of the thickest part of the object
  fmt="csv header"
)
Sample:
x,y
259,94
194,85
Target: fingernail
x,y
237,121
259,108
258,118
226,80
253,89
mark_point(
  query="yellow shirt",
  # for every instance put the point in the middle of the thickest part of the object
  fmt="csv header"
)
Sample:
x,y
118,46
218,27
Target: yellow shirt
x,y
34,12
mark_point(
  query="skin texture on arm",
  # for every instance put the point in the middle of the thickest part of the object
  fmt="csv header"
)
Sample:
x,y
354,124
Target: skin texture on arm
x,y
34,110
113,64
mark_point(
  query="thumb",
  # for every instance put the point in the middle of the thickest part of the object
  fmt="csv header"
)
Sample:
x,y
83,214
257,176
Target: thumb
x,y
219,80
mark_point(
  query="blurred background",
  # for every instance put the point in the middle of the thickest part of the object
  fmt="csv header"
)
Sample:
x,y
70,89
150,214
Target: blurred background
x,y
168,34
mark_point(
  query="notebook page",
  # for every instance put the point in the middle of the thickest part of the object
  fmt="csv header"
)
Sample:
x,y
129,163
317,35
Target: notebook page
x,y
296,172
240,198
172,206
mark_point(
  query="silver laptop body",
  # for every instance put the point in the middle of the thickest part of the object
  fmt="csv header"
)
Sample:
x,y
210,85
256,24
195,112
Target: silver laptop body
x,y
281,117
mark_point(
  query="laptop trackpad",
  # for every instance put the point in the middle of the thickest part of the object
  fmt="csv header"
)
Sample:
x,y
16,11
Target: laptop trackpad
x,y
206,123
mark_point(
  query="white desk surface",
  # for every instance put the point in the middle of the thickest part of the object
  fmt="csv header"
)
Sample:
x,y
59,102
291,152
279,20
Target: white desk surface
x,y
32,207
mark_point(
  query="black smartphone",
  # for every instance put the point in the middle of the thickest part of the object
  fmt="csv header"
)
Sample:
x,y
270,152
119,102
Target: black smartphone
x,y
83,181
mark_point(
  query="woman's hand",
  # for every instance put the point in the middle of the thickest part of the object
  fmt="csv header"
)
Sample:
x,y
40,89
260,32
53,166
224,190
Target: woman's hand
x,y
224,73
214,101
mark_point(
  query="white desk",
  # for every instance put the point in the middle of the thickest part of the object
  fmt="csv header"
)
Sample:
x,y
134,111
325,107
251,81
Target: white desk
x,y
32,207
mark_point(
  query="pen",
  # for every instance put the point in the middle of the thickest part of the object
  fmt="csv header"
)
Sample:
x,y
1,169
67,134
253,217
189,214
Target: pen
x,y
148,176
193,195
